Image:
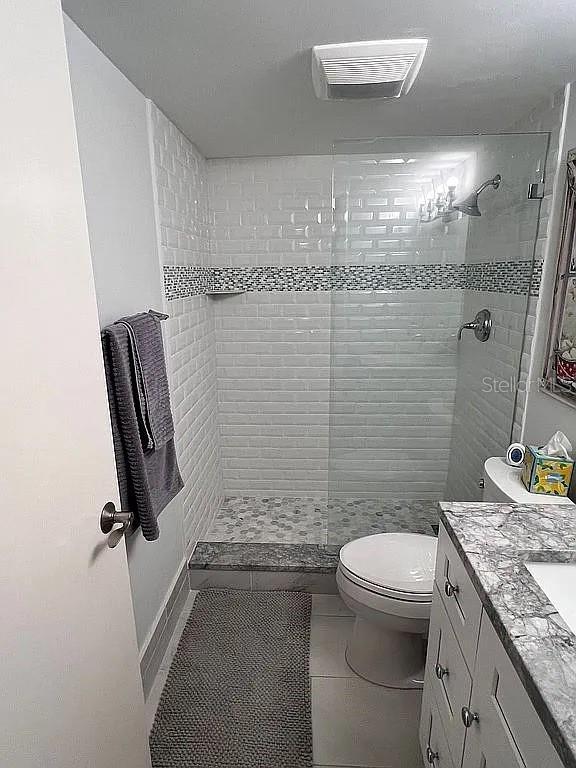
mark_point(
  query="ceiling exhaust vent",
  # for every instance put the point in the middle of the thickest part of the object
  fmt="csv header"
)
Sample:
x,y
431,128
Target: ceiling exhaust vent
x,y
379,69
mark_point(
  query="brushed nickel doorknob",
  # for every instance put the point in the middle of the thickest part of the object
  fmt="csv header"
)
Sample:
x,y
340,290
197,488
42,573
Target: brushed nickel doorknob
x,y
109,517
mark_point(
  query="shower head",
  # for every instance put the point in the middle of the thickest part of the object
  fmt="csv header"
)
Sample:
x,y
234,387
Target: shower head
x,y
469,205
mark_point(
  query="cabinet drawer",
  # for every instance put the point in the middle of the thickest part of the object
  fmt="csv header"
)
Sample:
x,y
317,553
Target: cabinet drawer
x,y
508,732
447,676
459,597
432,738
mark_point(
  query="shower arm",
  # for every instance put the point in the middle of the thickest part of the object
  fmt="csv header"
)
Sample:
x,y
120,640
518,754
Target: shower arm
x,y
495,183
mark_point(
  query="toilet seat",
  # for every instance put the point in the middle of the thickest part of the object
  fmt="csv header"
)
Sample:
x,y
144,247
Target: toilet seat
x,y
379,589
399,566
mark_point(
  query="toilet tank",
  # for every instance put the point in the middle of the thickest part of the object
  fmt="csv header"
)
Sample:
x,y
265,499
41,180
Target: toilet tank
x,y
502,483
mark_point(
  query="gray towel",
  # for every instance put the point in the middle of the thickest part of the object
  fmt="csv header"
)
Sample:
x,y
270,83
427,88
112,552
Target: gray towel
x,y
148,479
153,394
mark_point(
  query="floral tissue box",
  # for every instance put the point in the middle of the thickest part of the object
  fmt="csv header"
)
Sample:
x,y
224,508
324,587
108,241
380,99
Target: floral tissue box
x,y
546,474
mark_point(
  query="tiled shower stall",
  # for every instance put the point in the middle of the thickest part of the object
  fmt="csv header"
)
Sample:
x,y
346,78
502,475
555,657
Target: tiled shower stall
x,y
319,389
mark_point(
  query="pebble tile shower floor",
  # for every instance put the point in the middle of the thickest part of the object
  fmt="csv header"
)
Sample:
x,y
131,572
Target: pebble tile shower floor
x,y
288,520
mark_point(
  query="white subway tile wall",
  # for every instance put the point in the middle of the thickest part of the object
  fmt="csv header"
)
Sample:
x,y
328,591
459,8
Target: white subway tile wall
x,y
547,116
393,353
486,408
267,354
485,419
273,352
487,376
181,195
182,203
523,383
274,358
377,212
380,429
507,228
394,358
271,210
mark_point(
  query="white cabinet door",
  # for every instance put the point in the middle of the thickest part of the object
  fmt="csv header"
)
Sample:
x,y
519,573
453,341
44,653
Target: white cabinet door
x,y
433,743
508,732
447,677
459,596
71,692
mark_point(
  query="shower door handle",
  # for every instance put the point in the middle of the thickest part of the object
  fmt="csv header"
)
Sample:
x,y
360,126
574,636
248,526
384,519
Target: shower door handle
x,y
481,325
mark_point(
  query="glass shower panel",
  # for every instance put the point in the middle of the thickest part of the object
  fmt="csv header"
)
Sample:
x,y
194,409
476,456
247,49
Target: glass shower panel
x,y
413,411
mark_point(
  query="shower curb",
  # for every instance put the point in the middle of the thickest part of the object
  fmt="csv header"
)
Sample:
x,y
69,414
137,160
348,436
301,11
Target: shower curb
x,y
264,567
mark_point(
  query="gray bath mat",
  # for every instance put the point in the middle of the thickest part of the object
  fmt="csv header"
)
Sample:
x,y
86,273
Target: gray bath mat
x,y
238,692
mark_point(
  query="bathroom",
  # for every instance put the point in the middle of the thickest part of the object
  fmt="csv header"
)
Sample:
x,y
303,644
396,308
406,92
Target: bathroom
x,y
321,265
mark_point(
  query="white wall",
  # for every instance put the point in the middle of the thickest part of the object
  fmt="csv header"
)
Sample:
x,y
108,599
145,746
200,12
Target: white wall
x,y
116,174
111,125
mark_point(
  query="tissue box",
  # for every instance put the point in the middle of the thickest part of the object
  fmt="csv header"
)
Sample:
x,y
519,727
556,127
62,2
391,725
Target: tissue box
x,y
546,474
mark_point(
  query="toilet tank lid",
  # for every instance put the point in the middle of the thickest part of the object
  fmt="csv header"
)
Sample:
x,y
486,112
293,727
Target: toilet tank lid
x,y
507,481
404,562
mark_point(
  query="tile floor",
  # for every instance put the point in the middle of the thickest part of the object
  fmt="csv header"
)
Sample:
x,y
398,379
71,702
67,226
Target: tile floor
x,y
287,520
355,724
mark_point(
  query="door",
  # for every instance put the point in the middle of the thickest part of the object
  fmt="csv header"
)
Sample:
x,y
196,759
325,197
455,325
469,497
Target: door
x,y
504,729
70,689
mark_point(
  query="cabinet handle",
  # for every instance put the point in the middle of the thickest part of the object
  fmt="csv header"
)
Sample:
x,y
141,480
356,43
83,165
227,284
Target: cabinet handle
x,y
450,589
469,717
440,671
430,755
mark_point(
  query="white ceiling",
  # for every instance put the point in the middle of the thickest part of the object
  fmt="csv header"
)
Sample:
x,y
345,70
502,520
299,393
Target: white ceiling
x,y
234,75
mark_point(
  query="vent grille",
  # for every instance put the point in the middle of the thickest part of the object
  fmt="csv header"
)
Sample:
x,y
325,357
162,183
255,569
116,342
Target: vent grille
x,y
366,70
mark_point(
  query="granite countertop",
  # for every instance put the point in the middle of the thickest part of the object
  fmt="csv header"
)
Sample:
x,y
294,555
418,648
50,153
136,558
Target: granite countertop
x,y
494,541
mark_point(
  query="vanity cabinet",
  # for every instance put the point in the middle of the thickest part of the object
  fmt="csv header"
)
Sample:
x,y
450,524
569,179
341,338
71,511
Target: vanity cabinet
x,y
475,710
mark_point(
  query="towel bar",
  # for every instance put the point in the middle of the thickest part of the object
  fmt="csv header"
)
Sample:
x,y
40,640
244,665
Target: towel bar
x,y
159,315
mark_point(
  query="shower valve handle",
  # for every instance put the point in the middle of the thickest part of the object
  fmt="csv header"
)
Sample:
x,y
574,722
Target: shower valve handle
x,y
481,325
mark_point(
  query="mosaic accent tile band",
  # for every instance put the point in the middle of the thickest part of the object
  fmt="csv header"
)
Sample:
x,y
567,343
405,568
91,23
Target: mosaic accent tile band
x,y
514,277
183,281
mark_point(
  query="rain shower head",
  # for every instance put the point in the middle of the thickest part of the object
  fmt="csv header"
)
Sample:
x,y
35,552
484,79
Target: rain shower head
x,y
469,205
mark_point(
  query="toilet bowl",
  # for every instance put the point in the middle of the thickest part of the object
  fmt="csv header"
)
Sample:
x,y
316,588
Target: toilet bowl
x,y
386,581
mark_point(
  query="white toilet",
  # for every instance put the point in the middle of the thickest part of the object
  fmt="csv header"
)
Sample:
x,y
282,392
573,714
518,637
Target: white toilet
x,y
386,580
